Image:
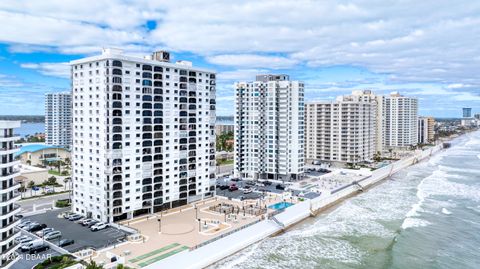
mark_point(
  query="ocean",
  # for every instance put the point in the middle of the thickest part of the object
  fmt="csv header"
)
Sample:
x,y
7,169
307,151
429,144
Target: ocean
x,y
426,216
30,129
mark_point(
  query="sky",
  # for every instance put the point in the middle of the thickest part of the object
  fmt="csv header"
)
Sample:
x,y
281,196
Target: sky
x,y
428,49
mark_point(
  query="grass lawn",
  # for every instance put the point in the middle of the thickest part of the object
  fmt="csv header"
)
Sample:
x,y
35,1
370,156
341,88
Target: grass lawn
x,y
224,162
56,173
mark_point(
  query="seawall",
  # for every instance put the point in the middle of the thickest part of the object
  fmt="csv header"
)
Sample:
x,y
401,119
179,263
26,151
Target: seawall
x,y
228,245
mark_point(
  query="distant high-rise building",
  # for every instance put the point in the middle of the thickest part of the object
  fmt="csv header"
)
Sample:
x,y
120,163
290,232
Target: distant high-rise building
x,y
143,134
58,119
224,128
467,112
343,130
8,189
398,121
477,116
269,128
426,133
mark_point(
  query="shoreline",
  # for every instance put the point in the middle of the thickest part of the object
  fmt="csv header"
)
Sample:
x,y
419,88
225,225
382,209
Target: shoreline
x,y
291,217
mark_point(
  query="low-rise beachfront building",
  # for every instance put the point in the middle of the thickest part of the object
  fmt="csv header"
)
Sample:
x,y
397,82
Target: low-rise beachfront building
x,y
41,154
343,130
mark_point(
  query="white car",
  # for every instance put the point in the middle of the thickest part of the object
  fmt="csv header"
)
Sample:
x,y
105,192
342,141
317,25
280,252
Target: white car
x,y
247,191
24,224
20,238
44,231
52,235
99,226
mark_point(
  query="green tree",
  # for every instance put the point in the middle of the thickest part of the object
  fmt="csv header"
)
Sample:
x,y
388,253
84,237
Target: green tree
x,y
93,265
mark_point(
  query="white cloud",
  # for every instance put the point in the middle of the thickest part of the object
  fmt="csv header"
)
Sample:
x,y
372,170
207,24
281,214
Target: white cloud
x,y
241,74
50,69
252,61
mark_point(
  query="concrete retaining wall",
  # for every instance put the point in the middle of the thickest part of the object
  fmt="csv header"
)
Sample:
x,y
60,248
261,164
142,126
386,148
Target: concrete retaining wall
x,y
228,245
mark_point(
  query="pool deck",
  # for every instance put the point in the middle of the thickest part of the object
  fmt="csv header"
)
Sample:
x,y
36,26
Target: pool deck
x,y
179,230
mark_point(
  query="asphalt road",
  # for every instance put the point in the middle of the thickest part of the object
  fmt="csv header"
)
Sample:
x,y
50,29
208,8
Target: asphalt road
x,y
41,203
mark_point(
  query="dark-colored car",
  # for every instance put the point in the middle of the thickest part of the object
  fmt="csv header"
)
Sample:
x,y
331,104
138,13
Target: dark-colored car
x,y
36,227
39,248
233,187
223,187
66,242
235,179
267,183
280,187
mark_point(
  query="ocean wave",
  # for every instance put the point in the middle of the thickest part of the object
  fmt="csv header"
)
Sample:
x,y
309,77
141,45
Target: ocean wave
x,y
446,211
414,222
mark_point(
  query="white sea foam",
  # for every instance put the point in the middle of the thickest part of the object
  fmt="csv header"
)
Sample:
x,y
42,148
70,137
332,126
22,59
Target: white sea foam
x,y
446,211
414,222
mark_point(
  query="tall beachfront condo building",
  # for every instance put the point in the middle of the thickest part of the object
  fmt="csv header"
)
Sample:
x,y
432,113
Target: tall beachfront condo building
x,y
343,130
8,191
143,134
269,128
58,119
467,112
426,132
398,116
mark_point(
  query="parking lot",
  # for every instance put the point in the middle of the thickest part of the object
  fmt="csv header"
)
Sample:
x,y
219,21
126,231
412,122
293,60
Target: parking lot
x,y
82,236
28,261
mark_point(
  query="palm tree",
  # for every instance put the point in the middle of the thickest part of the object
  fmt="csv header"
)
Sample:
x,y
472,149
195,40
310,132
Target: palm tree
x,y
30,185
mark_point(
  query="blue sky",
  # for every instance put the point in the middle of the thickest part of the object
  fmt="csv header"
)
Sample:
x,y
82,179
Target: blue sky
x,y
428,49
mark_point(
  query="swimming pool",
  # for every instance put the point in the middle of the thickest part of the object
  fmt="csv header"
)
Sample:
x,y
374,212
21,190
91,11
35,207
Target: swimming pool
x,y
280,206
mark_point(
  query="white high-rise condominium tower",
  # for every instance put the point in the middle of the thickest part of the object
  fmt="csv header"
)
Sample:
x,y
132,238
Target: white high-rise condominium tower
x,y
8,191
58,119
343,130
269,128
143,134
398,115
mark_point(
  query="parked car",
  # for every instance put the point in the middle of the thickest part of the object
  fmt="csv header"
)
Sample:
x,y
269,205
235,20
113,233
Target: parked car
x,y
85,222
20,238
233,187
267,183
91,223
38,249
66,242
24,224
259,184
247,191
27,246
67,215
30,225
75,217
223,187
25,241
236,179
44,231
52,235
250,182
36,227
280,187
99,226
